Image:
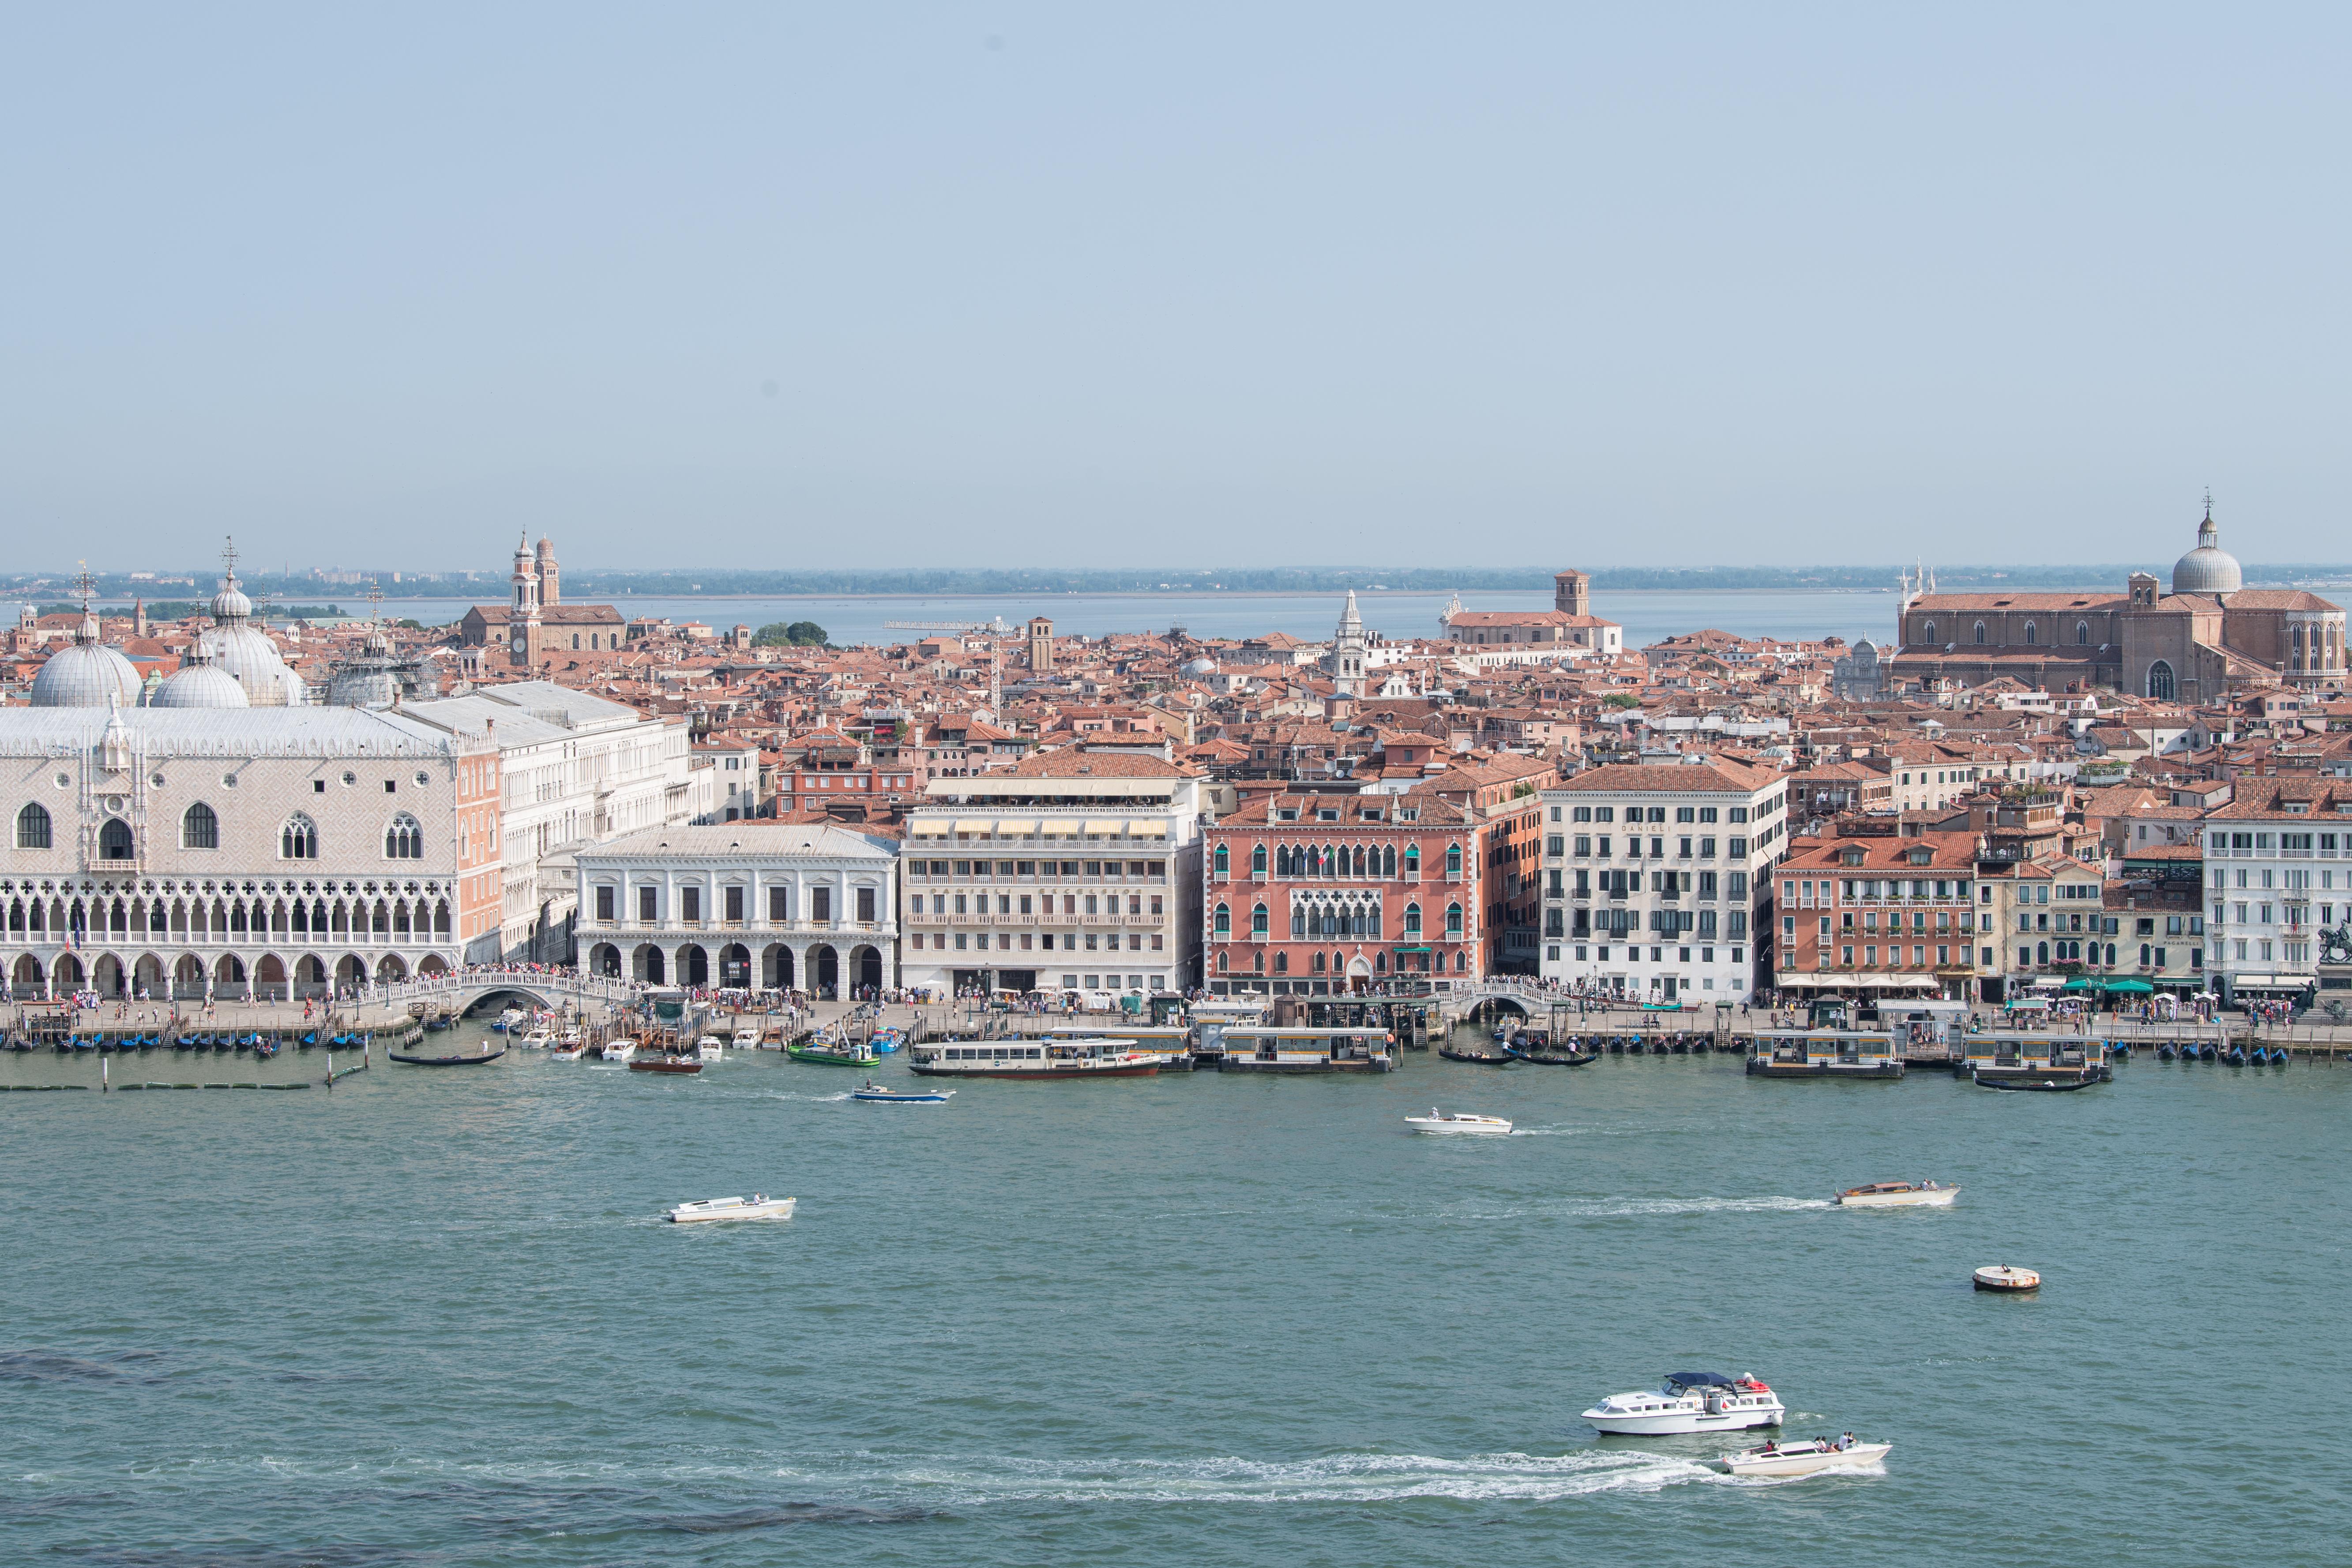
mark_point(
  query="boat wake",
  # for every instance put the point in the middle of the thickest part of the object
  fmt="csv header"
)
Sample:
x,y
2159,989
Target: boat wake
x,y
1338,1478
1625,1207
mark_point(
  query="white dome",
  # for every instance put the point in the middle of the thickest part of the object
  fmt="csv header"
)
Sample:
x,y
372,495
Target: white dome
x,y
89,674
2208,568
230,603
200,685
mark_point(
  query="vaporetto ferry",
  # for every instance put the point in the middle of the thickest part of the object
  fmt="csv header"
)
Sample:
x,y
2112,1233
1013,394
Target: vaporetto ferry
x,y
1032,1061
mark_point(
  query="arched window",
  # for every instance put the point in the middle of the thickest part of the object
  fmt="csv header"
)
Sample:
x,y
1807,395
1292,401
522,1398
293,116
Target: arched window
x,y
114,840
1412,920
1257,858
199,828
1221,963
1282,964
1454,923
404,839
575,642
1453,859
2082,634
32,828
299,840
1979,631
2159,682
1257,922
2031,636
1388,862
1225,921
1412,861
1223,862
1317,964
1930,632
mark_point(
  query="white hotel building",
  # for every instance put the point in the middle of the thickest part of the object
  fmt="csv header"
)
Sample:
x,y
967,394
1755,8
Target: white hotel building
x,y
1658,877
2278,873
1072,870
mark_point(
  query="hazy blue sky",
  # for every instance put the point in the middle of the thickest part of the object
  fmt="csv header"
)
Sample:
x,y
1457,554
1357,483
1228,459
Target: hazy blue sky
x,y
1101,285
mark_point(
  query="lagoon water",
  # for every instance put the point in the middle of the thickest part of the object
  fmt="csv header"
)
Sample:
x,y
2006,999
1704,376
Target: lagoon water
x,y
432,1318
1648,616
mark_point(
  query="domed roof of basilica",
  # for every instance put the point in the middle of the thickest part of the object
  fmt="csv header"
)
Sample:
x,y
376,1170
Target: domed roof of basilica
x,y
201,684
85,674
243,651
2208,568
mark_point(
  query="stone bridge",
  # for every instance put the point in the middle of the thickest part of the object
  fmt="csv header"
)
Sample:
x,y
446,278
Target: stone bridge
x,y
474,990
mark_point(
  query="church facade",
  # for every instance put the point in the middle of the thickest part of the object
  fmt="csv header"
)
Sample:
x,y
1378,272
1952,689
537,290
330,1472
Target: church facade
x,y
2209,636
1570,623
536,624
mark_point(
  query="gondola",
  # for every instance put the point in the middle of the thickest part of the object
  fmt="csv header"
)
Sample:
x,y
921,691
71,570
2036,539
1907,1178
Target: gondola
x,y
1481,1058
1553,1058
448,1061
435,1026
2033,1086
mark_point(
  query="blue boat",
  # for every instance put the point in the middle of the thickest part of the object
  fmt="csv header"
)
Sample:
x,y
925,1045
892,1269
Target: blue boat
x,y
2164,1053
81,1044
875,1093
311,1038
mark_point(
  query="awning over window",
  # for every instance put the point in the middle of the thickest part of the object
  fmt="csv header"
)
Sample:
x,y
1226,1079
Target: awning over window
x,y
1112,828
1062,827
929,830
1140,829
969,825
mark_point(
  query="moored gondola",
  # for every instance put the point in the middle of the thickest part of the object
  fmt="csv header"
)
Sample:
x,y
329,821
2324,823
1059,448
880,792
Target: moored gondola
x,y
1571,1057
1480,1059
466,1061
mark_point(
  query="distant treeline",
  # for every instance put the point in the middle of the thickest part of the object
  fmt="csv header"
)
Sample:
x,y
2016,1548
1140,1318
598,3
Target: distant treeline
x,y
581,584
586,585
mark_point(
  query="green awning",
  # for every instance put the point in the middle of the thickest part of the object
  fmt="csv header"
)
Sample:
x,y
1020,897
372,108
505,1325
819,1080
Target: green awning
x,y
2137,987
2079,983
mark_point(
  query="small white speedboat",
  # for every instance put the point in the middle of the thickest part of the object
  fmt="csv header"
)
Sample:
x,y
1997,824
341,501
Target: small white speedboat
x,y
710,1048
746,1039
620,1050
1803,1459
1689,1401
1458,1122
759,1205
570,1051
1899,1195
537,1040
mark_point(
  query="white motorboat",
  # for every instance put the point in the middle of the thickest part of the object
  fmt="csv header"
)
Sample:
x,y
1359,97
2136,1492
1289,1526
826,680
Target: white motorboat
x,y
1899,1195
710,1048
537,1040
1458,1122
746,1039
1804,1459
573,1036
569,1051
1689,1401
620,1051
759,1205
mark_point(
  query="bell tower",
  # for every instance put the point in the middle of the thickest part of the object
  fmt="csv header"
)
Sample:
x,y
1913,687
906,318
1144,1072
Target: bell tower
x,y
1041,643
522,625
1571,592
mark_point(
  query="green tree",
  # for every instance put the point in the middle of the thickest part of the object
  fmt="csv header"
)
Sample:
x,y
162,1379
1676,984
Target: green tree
x,y
798,634
1621,699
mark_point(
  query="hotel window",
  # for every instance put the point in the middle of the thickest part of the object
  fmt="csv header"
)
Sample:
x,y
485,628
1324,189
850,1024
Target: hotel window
x,y
605,905
732,902
1222,865
690,904
648,905
777,906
